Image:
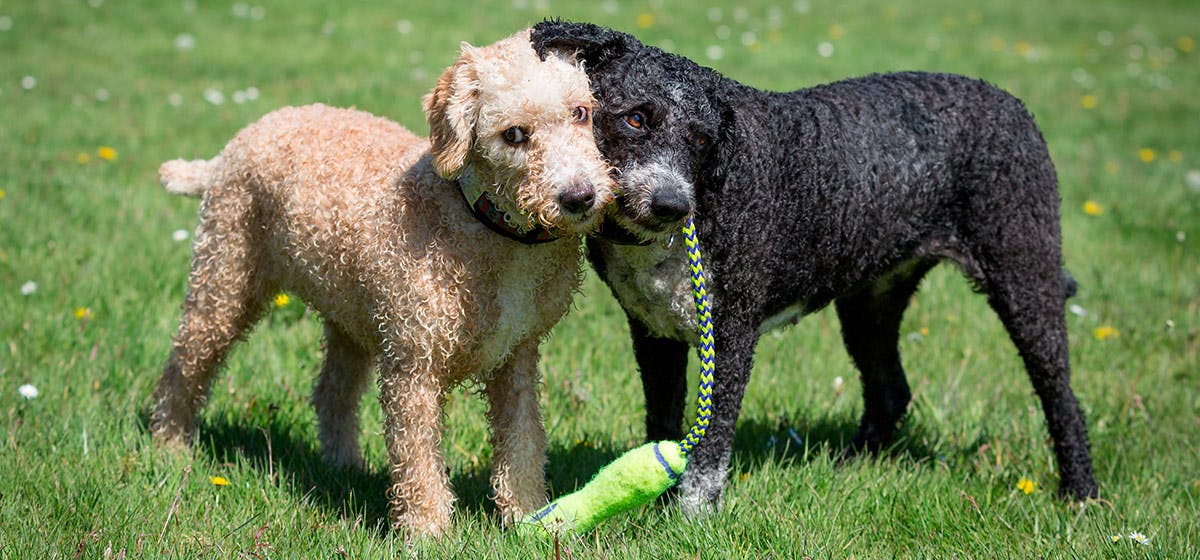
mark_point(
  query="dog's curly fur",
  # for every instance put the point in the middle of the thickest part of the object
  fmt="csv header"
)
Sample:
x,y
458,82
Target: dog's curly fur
x,y
365,222
848,193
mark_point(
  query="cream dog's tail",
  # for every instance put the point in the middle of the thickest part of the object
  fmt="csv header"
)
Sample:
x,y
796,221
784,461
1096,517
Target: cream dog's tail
x,y
189,178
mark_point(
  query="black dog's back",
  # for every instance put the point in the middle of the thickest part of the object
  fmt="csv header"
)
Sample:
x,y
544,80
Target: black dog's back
x,y
865,174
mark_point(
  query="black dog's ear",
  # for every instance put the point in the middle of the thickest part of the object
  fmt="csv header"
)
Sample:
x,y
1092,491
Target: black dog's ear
x,y
592,44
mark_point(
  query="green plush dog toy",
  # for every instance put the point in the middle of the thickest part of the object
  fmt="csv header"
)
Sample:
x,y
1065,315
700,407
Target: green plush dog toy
x,y
641,475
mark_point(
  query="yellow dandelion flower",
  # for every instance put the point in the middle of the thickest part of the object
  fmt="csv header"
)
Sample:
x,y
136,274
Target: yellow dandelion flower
x,y
1027,486
82,313
974,17
1147,155
1089,101
1185,44
645,20
1092,208
996,43
2,194
282,300
82,158
924,331
1174,156
1111,167
836,31
219,481
107,153
1023,48
1105,332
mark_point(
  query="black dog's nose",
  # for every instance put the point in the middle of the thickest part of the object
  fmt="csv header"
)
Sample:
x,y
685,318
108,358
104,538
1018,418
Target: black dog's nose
x,y
669,205
578,198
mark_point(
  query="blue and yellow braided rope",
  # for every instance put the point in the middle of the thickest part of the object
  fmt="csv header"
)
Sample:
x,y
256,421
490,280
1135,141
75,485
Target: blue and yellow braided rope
x,y
707,352
642,474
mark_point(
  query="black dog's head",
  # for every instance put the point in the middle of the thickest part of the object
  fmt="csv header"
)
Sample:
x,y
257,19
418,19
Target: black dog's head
x,y
657,121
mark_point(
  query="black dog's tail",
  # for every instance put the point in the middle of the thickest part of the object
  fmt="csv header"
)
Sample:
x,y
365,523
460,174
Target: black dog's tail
x,y
1069,285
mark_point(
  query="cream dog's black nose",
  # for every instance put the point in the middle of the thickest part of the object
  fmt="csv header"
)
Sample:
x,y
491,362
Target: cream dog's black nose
x,y
578,197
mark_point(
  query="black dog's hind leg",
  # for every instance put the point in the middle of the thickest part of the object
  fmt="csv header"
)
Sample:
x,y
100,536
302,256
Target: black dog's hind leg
x,y
870,321
1030,304
663,365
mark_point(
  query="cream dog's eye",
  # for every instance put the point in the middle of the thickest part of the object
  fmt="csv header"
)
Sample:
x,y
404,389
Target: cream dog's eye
x,y
515,135
581,114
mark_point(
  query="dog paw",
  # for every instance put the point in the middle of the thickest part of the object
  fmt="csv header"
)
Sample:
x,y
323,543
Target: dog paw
x,y
699,495
170,435
344,458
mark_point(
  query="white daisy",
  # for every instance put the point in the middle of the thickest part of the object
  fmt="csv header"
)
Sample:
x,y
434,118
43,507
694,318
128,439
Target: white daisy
x,y
185,42
1193,179
214,96
28,391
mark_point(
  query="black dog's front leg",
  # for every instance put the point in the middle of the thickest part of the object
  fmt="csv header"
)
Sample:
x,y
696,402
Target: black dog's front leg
x,y
663,365
700,488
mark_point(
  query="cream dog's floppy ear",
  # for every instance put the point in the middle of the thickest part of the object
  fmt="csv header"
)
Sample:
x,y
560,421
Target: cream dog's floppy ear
x,y
452,109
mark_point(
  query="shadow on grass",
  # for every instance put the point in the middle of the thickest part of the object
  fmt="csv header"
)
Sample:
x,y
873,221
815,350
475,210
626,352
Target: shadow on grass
x,y
276,447
757,441
804,439
280,447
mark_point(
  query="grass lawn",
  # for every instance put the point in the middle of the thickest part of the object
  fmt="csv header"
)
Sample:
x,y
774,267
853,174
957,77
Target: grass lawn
x,y
94,94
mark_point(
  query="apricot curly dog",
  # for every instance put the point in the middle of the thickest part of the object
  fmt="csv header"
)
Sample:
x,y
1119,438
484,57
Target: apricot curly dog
x,y
437,262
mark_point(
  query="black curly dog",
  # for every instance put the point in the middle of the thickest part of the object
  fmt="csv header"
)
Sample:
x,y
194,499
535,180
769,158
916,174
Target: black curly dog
x,y
847,193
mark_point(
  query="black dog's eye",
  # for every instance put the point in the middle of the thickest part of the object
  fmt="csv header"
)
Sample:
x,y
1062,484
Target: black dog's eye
x,y
699,139
515,135
635,120
581,114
